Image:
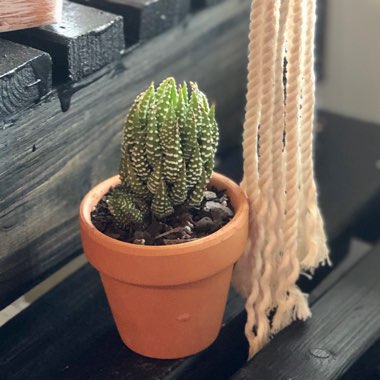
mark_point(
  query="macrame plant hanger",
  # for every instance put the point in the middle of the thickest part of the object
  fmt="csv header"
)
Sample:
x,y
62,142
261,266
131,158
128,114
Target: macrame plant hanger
x,y
287,236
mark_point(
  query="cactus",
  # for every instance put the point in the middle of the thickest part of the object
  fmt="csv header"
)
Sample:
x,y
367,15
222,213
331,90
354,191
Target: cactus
x,y
168,151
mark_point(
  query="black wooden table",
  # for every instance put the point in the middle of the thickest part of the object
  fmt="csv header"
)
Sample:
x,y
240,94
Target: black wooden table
x,y
69,334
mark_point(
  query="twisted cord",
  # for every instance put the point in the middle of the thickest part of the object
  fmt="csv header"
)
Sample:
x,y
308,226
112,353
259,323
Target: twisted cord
x,y
278,147
253,101
244,267
248,268
289,267
314,249
266,212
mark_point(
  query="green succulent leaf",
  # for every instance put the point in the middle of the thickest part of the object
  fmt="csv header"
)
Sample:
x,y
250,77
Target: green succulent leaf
x,y
162,205
122,206
153,146
196,195
189,135
214,127
132,123
179,191
133,181
154,179
172,150
144,102
165,98
139,160
194,168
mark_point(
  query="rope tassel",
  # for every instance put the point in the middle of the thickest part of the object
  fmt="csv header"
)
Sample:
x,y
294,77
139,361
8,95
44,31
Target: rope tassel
x,y
286,228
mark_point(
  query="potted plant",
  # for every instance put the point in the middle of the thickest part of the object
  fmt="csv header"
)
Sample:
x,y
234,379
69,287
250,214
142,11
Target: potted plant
x,y
167,299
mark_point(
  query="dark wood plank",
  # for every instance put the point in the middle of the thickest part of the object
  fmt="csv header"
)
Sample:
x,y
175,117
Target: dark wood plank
x,y
367,367
355,253
143,19
345,324
367,225
25,77
69,334
200,4
347,154
320,38
49,158
84,41
353,159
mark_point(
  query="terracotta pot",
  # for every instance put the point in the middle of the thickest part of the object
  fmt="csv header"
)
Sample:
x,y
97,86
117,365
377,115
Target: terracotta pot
x,y
167,301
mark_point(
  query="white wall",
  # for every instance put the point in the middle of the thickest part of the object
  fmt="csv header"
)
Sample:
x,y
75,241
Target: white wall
x,y
351,83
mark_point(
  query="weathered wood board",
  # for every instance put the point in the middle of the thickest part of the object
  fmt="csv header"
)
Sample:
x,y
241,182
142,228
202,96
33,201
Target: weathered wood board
x,y
199,4
25,77
84,41
144,19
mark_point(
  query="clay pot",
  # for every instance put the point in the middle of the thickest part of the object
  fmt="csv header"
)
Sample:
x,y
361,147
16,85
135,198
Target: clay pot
x,y
167,301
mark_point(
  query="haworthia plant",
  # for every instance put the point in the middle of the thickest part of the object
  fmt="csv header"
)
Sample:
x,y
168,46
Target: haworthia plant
x,y
168,150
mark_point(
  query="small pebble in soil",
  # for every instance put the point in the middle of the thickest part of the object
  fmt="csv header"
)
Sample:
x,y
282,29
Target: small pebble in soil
x,y
209,195
204,224
183,226
218,210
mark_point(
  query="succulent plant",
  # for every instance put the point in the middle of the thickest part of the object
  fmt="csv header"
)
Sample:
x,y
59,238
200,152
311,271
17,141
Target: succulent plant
x,y
168,150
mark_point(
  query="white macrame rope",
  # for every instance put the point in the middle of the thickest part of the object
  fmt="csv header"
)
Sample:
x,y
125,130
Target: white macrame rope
x,y
314,250
278,148
289,266
247,271
266,212
278,169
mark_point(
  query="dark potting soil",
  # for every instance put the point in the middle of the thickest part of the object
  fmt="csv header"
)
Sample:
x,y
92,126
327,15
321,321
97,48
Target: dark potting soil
x,y
184,225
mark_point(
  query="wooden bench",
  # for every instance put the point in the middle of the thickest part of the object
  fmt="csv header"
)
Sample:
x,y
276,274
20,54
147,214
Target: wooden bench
x,y
50,158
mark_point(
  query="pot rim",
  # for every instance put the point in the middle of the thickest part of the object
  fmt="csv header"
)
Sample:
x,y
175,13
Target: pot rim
x,y
91,199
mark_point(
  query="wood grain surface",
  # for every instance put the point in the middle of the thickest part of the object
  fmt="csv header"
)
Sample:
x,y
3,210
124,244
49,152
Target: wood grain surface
x,y
143,19
84,41
25,77
367,367
199,4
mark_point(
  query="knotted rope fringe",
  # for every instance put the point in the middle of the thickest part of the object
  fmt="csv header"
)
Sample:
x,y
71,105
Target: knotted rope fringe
x,y
286,228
